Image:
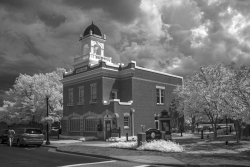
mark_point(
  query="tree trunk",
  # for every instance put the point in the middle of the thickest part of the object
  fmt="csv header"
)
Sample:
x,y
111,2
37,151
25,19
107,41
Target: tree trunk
x,y
215,128
193,124
215,131
238,130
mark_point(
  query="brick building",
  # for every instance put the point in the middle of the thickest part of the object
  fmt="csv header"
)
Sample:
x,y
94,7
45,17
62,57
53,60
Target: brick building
x,y
99,95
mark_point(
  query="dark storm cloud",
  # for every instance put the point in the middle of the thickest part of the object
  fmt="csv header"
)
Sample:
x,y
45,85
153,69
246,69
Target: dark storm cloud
x,y
120,10
52,19
174,36
32,49
33,10
11,69
15,3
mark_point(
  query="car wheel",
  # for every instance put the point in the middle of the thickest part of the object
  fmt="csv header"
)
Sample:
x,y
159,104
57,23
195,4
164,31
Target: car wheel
x,y
18,143
39,145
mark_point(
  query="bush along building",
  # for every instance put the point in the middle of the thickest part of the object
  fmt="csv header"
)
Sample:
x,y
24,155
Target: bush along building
x,y
100,95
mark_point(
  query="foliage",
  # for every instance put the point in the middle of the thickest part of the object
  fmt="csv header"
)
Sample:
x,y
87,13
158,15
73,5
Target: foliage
x,y
176,114
202,92
157,145
29,102
161,145
236,100
123,144
217,91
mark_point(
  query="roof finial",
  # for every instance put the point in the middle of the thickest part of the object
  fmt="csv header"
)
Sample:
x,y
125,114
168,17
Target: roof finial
x,y
92,22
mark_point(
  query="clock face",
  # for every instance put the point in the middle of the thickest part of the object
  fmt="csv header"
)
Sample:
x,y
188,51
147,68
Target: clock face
x,y
153,135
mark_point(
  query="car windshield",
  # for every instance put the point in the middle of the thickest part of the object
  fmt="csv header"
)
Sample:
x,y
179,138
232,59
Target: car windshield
x,y
33,131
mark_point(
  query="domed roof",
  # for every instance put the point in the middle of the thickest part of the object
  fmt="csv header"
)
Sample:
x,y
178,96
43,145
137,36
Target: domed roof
x,y
95,30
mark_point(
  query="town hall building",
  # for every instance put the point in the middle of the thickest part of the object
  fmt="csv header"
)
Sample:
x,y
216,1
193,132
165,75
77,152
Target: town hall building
x,y
99,95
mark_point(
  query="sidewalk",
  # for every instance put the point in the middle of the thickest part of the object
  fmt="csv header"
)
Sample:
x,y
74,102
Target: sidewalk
x,y
100,149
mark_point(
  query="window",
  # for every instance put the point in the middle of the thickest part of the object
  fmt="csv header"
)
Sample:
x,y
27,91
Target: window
x,y
97,50
70,97
85,49
113,94
160,94
93,92
74,124
126,122
90,124
81,95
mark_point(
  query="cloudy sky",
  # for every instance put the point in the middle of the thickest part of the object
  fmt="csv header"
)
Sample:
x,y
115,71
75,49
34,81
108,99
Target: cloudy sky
x,y
174,36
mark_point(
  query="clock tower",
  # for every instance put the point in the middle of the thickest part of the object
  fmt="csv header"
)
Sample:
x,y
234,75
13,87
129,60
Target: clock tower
x,y
92,47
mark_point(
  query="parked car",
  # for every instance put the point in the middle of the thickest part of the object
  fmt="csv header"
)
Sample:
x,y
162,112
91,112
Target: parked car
x,y
28,136
4,136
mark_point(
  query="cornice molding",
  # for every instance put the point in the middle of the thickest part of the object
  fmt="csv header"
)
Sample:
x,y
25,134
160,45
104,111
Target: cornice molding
x,y
118,101
99,72
154,71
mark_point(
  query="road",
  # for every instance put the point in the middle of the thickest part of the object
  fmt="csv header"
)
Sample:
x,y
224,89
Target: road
x,y
32,156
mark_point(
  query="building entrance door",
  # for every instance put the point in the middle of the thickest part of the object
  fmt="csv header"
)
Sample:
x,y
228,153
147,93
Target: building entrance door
x,y
165,126
107,129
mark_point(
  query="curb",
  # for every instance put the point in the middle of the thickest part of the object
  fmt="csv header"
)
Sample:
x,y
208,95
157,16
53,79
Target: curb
x,y
225,165
49,146
120,159
112,158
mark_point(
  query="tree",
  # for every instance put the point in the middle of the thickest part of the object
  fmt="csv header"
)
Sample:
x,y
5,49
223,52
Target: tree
x,y
202,93
176,114
29,92
236,100
191,104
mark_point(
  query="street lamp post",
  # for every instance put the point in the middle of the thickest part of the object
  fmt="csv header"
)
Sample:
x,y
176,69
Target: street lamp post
x,y
47,137
226,126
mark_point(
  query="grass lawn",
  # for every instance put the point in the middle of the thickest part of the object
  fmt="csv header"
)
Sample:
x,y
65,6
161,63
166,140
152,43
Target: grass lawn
x,y
197,151
209,151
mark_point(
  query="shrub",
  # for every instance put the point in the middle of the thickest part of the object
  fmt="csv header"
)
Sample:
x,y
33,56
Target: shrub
x,y
161,145
121,144
155,145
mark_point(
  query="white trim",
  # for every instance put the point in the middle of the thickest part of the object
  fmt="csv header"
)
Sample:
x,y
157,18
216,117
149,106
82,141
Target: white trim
x,y
81,76
88,163
118,100
154,71
160,96
126,114
154,81
160,87
67,73
110,69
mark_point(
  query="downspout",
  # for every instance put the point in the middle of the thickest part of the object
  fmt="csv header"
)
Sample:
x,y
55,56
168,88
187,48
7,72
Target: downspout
x,y
132,111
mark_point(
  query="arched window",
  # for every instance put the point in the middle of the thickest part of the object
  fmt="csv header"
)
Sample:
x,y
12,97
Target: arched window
x,y
85,49
90,124
74,124
97,50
